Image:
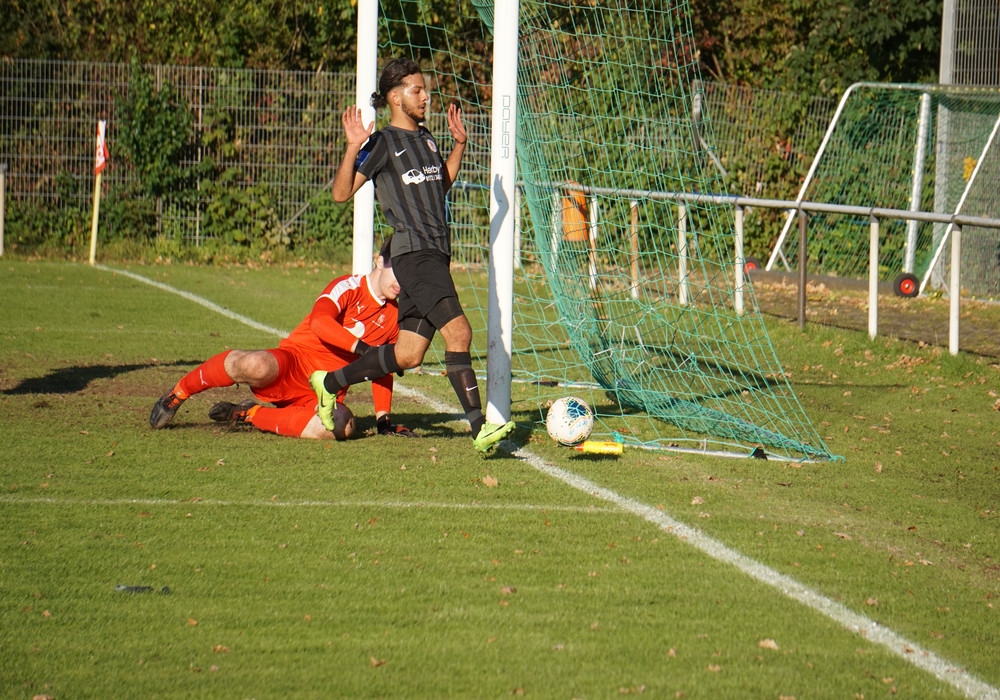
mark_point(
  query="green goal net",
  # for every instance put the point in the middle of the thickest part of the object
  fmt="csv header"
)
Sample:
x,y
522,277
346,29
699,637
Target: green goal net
x,y
619,298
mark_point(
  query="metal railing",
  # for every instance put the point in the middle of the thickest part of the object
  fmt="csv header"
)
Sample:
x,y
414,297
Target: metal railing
x,y
740,204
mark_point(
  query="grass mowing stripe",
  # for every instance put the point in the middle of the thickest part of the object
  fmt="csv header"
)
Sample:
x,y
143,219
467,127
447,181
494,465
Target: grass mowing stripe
x,y
864,626
308,504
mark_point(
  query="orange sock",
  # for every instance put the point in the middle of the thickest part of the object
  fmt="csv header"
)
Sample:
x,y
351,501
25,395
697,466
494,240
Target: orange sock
x,y
208,375
290,420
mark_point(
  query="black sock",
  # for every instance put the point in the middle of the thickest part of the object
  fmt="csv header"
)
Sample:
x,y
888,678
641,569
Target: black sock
x,y
377,363
458,365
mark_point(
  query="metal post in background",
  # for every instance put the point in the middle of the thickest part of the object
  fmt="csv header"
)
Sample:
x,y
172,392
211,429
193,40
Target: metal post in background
x,y
3,191
634,247
873,278
740,262
682,251
955,289
803,249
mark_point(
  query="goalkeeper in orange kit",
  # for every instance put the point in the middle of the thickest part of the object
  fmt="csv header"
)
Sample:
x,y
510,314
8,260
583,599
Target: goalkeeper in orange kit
x,y
353,314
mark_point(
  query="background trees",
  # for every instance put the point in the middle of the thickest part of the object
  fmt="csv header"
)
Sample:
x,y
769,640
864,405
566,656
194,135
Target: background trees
x,y
814,46
819,47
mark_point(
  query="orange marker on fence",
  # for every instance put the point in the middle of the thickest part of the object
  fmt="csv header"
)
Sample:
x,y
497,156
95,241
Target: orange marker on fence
x,y
600,447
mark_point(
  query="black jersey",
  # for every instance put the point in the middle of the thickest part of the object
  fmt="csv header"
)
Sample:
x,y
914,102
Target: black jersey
x,y
408,172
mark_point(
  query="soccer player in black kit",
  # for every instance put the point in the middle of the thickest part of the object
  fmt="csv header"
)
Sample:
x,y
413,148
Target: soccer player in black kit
x,y
411,180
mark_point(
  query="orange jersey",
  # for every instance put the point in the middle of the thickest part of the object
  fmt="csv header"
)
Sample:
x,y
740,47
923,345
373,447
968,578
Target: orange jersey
x,y
345,311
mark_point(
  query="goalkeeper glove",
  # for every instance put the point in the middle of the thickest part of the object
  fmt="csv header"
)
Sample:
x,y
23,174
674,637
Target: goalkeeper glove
x,y
385,427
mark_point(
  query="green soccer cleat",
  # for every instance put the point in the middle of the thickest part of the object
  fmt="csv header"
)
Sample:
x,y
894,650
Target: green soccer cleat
x,y
490,434
327,401
164,410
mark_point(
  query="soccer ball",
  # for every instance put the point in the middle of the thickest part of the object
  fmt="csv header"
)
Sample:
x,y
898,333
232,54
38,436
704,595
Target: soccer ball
x,y
569,421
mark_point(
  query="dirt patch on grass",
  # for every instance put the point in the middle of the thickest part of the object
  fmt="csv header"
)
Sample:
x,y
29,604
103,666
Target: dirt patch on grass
x,y
844,304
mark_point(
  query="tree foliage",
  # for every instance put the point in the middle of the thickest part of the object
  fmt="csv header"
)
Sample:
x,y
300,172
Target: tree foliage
x,y
818,46
277,34
813,46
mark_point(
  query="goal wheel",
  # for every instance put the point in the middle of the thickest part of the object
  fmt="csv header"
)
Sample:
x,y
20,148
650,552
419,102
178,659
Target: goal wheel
x,y
906,285
751,264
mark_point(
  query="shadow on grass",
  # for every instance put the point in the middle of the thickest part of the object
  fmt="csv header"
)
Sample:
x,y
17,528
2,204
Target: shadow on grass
x,y
69,380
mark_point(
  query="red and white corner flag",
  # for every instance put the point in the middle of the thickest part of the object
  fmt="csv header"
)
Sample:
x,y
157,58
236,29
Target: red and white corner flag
x,y
102,155
100,160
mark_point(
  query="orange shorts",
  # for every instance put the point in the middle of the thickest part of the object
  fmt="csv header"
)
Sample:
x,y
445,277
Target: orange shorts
x,y
292,387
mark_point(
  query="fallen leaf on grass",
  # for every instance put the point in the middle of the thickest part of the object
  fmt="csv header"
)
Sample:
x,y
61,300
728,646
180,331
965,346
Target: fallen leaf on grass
x,y
220,649
508,590
490,481
192,622
375,663
842,535
713,668
697,501
768,644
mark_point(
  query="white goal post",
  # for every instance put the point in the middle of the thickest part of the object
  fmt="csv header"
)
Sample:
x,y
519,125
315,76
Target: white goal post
x,y
503,179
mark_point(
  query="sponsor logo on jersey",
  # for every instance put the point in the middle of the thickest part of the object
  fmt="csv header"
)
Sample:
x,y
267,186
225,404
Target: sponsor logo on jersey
x,y
413,177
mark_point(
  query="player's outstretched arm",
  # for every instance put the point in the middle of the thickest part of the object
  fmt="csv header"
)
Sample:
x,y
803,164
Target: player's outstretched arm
x,y
348,181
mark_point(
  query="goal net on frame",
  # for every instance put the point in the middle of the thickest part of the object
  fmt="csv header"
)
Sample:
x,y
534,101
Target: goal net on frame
x,y
616,298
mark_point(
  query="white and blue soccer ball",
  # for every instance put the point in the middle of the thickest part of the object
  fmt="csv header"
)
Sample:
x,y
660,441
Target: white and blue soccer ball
x,y
569,421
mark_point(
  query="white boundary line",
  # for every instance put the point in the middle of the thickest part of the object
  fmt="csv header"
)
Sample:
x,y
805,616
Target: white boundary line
x,y
909,651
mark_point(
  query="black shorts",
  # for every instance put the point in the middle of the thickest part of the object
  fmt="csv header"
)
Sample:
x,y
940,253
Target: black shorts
x,y
427,291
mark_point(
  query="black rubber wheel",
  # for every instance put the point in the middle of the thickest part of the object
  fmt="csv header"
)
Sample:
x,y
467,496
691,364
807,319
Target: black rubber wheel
x,y
906,285
751,264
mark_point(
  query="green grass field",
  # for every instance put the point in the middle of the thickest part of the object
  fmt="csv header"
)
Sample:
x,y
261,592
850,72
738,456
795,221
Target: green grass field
x,y
384,567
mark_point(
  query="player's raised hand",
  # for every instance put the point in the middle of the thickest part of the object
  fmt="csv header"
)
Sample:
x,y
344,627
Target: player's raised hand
x,y
455,124
354,127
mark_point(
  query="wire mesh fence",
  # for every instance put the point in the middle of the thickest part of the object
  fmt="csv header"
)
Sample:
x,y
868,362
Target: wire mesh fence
x,y
262,148
273,133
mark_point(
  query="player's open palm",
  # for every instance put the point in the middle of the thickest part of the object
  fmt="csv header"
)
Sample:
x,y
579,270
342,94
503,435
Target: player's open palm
x,y
455,124
354,127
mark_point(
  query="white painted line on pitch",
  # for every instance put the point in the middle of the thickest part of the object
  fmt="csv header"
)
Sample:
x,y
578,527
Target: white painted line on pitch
x,y
267,503
196,299
909,651
866,627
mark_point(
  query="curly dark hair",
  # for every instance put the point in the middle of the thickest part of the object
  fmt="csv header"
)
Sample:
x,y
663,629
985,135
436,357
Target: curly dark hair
x,y
392,77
